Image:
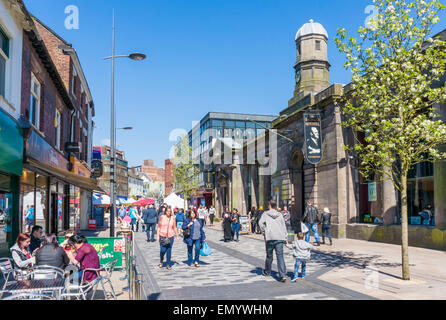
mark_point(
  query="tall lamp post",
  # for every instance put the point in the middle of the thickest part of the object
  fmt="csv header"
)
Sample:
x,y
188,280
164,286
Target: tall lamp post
x,y
133,56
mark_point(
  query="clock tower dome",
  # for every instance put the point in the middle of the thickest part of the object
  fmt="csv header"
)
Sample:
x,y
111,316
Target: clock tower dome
x,y
312,66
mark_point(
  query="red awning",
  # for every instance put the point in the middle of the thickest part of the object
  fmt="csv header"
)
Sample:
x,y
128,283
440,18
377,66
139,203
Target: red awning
x,y
143,202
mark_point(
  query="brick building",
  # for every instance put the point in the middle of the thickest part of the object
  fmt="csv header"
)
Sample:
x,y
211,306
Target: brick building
x,y
54,182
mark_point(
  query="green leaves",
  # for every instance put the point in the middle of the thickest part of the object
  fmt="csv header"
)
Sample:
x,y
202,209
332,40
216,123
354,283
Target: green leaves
x,y
394,68
186,173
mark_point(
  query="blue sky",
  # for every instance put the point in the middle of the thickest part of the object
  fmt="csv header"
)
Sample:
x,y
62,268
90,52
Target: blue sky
x,y
203,55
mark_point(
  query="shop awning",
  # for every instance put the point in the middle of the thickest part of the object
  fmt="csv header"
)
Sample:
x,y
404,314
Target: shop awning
x,y
69,177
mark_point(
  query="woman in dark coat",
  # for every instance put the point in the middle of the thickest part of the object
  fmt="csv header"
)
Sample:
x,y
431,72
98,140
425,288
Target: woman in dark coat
x,y
227,225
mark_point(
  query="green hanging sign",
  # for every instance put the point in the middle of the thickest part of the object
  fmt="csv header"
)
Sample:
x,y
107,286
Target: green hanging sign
x,y
11,145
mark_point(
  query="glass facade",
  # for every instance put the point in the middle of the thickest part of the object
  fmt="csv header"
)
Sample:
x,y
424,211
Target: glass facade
x,y
6,212
420,192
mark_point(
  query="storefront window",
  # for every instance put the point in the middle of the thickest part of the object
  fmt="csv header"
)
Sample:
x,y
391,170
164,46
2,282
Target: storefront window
x,y
5,212
75,197
33,193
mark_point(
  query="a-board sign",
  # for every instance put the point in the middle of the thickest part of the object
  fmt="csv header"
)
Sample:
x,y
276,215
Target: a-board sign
x,y
245,224
112,248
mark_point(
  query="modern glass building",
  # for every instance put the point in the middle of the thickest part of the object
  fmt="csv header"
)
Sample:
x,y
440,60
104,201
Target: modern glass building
x,y
233,128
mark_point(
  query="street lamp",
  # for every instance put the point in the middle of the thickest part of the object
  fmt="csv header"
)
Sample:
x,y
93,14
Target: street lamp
x,y
133,56
125,128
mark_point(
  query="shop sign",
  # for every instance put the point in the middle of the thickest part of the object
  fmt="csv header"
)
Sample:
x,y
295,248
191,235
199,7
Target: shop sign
x,y
96,168
11,145
40,150
372,192
79,168
313,138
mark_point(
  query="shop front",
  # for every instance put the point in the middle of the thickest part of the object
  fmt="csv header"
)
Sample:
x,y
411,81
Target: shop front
x,y
11,164
54,194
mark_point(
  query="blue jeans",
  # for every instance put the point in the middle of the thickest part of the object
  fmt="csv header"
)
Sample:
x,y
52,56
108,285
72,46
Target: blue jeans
x,y
326,230
150,226
276,245
168,250
300,262
197,244
236,229
312,227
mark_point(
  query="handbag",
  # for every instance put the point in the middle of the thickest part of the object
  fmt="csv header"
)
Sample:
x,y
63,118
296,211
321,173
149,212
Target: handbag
x,y
205,249
165,242
187,233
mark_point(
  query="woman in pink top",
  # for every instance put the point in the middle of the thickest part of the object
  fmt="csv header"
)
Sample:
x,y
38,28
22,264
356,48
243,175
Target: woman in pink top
x,y
166,229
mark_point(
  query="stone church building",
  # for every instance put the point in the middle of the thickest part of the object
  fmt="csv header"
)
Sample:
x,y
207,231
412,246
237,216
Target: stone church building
x,y
334,182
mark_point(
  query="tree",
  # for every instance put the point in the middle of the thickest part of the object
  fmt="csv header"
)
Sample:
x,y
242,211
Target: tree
x,y
396,69
186,173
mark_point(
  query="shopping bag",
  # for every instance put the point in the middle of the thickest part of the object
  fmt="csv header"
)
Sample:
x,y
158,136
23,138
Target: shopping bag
x,y
205,250
303,228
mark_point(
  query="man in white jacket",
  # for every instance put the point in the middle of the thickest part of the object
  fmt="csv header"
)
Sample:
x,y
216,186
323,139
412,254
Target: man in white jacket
x,y
274,229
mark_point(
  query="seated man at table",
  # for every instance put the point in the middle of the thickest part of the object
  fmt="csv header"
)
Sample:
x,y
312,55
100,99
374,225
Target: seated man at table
x,y
36,234
51,254
86,257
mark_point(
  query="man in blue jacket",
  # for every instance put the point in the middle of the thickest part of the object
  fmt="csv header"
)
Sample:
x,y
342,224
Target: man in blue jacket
x,y
150,217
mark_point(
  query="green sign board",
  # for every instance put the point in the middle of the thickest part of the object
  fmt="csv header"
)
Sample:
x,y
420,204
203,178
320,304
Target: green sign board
x,y
11,145
112,248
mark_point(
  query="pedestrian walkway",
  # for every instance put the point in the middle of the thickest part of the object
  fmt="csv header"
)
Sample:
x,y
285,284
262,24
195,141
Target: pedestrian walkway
x,y
374,268
232,272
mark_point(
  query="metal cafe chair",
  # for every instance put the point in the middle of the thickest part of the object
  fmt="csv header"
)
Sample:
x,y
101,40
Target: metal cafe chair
x,y
108,268
46,273
29,296
6,268
80,291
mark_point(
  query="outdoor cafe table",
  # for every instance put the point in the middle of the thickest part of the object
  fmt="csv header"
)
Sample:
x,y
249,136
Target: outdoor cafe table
x,y
35,286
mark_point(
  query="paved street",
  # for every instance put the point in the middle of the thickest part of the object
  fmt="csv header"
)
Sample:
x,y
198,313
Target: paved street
x,y
233,272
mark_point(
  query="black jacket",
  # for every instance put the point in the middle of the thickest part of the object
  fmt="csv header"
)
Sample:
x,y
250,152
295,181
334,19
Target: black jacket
x,y
310,215
150,216
34,243
49,257
326,219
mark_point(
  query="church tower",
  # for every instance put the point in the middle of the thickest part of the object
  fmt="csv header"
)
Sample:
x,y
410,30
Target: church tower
x,y
312,66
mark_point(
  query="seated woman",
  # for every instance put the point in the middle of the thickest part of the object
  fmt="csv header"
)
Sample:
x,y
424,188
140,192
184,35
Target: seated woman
x,y
51,254
20,253
86,257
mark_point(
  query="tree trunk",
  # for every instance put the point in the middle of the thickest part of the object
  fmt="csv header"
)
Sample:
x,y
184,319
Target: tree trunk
x,y
404,228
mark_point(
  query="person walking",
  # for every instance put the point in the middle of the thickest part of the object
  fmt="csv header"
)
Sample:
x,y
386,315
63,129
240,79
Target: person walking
x,y
211,215
227,222
180,217
166,235
311,220
121,213
235,220
133,216
273,227
287,218
193,237
150,218
252,217
326,225
201,215
258,217
29,218
302,252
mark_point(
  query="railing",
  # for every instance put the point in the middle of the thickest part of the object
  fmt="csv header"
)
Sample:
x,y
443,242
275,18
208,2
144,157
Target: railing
x,y
134,278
